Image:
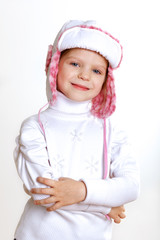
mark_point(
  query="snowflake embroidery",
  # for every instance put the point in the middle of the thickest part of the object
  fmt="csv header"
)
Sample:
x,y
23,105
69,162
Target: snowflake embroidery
x,y
58,163
92,165
76,136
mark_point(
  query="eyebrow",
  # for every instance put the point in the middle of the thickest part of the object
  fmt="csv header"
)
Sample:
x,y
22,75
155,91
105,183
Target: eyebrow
x,y
101,66
96,65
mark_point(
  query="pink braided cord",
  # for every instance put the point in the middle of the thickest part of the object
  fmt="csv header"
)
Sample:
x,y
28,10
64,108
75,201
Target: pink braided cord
x,y
105,167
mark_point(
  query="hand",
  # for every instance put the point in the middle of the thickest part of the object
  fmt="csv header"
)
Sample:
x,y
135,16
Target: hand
x,y
63,192
117,213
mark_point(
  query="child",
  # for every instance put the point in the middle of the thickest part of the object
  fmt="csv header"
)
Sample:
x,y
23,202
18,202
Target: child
x,y
73,161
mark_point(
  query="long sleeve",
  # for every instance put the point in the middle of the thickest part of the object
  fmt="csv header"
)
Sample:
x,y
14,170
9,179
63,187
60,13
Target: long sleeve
x,y
87,208
31,158
123,185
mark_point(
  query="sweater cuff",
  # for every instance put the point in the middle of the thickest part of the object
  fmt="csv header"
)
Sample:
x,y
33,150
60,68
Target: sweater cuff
x,y
95,192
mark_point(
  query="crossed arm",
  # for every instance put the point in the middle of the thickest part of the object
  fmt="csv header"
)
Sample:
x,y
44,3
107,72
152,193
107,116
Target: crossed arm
x,y
32,161
66,192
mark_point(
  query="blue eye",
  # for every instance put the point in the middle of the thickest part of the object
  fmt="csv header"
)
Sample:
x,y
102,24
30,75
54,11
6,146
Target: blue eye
x,y
74,64
96,71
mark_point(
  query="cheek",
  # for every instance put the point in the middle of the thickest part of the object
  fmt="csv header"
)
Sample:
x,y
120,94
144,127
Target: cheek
x,y
60,82
98,85
60,76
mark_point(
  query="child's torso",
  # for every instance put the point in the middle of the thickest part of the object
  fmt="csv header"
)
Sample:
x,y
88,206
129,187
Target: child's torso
x,y
75,149
75,146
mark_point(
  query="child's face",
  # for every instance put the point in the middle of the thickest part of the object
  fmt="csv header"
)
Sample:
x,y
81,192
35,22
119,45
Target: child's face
x,y
81,74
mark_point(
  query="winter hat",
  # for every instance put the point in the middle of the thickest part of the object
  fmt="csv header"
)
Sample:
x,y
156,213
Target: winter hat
x,y
86,35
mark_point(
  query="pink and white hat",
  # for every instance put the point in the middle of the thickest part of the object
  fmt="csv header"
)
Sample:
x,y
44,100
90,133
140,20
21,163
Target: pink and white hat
x,y
86,35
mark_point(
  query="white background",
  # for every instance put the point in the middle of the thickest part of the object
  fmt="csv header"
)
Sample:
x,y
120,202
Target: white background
x,y
27,27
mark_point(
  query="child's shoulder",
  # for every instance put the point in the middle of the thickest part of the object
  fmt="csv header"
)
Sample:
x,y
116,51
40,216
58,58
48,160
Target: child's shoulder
x,y
112,122
31,135
30,130
32,121
116,121
117,127
31,125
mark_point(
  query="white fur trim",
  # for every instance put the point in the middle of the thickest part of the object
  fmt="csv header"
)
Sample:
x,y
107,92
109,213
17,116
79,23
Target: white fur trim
x,y
91,39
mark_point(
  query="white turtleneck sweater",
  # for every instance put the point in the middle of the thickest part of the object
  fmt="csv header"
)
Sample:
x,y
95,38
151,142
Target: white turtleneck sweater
x,y
73,143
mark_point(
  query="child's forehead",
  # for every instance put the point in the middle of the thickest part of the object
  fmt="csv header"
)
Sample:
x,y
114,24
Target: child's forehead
x,y
81,52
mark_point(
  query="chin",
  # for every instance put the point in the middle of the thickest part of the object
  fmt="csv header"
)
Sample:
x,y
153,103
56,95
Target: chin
x,y
78,98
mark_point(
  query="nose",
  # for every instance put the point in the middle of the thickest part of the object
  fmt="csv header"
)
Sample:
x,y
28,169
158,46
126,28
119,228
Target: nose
x,y
84,75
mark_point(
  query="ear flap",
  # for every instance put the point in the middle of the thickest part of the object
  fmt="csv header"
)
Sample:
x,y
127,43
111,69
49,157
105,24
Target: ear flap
x,y
48,58
104,104
52,70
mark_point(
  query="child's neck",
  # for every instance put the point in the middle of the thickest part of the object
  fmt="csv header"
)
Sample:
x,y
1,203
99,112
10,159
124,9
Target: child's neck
x,y
67,105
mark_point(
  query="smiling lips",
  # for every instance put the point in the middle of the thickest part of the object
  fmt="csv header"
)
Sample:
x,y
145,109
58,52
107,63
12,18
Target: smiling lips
x,y
80,87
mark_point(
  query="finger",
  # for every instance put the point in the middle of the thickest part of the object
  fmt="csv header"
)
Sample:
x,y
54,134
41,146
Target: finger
x,y
45,191
123,209
63,179
46,181
45,201
122,215
54,207
117,220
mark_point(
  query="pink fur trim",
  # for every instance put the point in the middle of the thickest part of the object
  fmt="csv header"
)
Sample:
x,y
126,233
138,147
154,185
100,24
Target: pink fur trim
x,y
49,56
104,104
53,71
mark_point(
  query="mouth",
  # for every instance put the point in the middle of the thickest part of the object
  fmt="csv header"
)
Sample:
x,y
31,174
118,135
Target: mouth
x,y
80,87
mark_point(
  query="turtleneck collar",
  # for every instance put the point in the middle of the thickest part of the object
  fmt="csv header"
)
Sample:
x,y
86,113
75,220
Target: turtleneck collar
x,y
66,105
